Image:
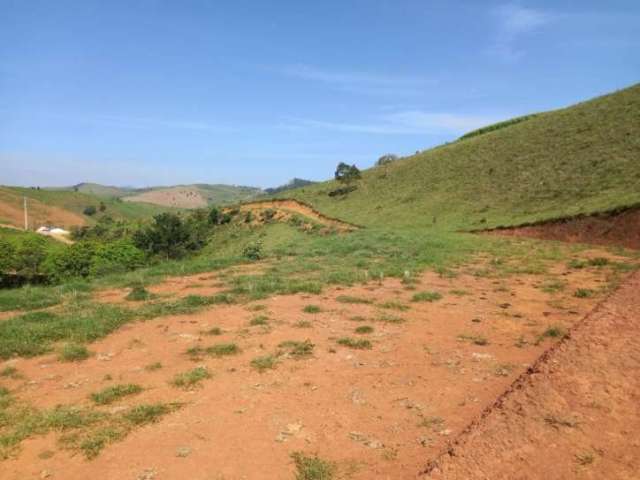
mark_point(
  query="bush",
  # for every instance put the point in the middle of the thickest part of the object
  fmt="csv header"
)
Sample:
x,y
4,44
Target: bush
x,y
214,216
253,251
7,256
30,256
113,257
73,261
386,159
170,237
90,210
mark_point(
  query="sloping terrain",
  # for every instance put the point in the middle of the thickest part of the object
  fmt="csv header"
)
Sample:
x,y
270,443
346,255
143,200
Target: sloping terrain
x,y
194,196
621,229
40,213
575,414
581,159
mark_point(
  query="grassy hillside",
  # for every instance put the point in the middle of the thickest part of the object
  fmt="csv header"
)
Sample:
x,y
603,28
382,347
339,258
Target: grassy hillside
x,y
581,159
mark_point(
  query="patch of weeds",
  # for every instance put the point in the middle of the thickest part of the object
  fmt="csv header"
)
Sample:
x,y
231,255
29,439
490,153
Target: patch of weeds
x,y
598,261
431,422
138,294
259,320
10,372
264,362
357,318
386,318
503,370
312,467
458,293
312,309
190,378
214,331
360,344
554,331
585,458
152,367
114,393
577,264
521,342
298,349
475,339
303,324
583,293
393,305
73,352
426,297
364,329
222,349
256,308
557,421
352,299
145,414
553,286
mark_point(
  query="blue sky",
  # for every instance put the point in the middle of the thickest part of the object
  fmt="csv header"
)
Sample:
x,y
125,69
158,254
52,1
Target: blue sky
x,y
148,92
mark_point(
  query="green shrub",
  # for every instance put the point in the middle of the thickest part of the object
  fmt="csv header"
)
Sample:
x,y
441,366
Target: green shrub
x,y
312,467
138,293
583,293
312,309
111,394
7,256
253,251
115,257
73,352
191,378
426,297
359,344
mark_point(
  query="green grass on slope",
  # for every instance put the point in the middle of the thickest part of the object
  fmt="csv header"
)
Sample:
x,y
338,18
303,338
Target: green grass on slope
x,y
581,159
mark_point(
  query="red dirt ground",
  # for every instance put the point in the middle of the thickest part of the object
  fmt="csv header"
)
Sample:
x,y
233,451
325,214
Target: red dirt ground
x,y
622,229
576,415
379,413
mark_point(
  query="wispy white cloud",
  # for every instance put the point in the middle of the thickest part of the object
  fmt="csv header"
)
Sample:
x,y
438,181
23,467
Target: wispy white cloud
x,y
360,82
407,122
514,21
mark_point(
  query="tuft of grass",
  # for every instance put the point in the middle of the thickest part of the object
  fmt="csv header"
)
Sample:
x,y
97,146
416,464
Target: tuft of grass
x,y
191,378
364,329
264,362
152,367
359,344
426,297
214,331
475,339
555,331
10,372
303,324
312,467
458,292
298,349
312,309
116,392
394,305
222,349
259,320
598,261
73,352
431,422
583,293
145,414
138,294
352,299
386,318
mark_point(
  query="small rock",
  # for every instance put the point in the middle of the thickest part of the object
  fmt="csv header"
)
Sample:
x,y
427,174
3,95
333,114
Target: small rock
x,y
446,432
45,474
147,474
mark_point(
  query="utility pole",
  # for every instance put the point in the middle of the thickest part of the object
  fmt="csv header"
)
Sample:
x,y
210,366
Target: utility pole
x,y
26,215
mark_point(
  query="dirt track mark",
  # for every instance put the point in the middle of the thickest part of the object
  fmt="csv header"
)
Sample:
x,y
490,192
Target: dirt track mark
x,y
576,407
300,208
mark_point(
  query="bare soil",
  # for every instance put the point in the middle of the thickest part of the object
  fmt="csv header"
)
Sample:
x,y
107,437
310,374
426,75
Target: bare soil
x,y
575,414
622,229
12,213
377,413
180,197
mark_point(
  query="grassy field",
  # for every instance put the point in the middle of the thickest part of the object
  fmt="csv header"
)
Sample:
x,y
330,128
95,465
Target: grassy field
x,y
581,159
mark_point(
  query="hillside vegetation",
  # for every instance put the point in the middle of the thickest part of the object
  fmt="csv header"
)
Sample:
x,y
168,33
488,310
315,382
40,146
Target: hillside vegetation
x,y
193,196
581,159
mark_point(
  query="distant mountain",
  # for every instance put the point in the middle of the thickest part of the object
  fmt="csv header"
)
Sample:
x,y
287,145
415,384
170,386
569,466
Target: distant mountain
x,y
107,191
290,185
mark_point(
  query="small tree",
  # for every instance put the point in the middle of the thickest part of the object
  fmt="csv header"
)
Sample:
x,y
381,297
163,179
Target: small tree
x,y
347,174
29,256
102,207
386,159
214,216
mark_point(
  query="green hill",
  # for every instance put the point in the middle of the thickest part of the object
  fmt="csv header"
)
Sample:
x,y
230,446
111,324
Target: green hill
x,y
580,159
